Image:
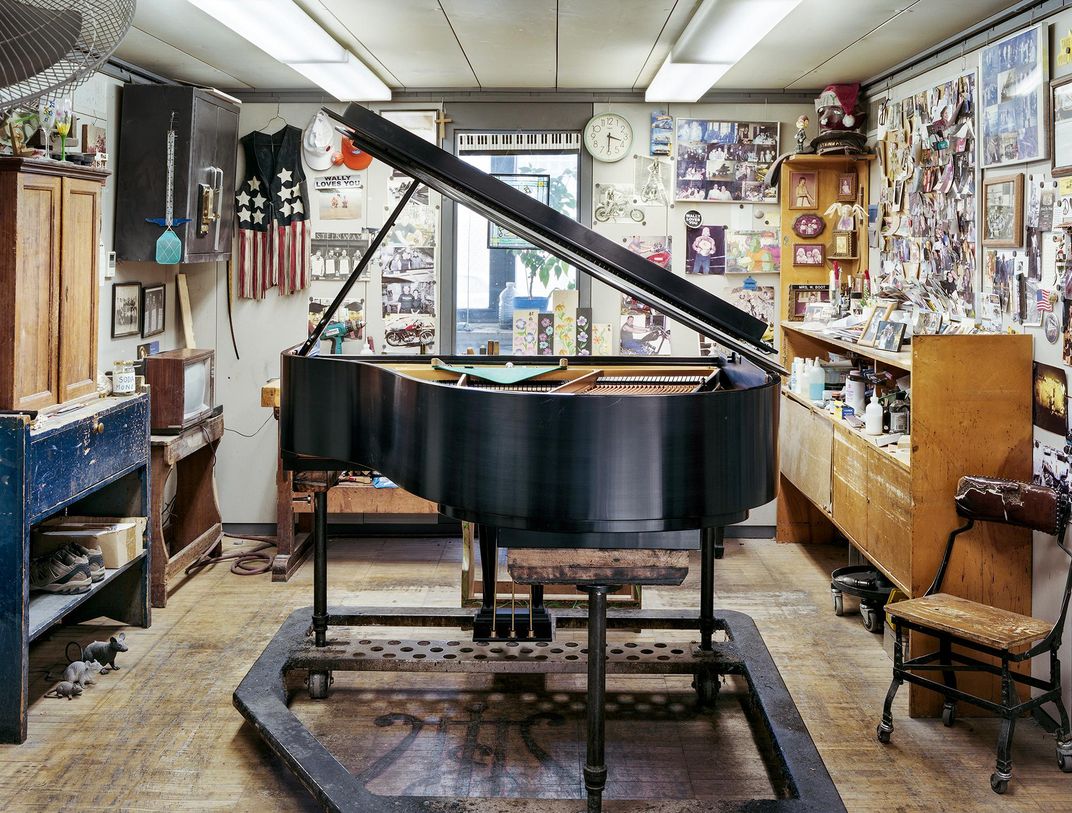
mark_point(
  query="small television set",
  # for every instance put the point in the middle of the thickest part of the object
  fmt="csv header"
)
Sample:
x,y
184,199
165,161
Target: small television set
x,y
182,388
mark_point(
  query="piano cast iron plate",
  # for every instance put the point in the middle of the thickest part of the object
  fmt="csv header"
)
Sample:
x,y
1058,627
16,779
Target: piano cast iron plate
x,y
800,777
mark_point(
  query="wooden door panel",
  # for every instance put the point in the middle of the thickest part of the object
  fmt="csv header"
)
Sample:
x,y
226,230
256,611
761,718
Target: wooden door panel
x,y
78,288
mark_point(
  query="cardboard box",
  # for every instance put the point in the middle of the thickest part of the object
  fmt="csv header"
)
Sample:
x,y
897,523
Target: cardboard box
x,y
120,539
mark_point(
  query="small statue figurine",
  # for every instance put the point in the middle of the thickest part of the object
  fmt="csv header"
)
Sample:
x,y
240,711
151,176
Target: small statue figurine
x,y
802,125
847,214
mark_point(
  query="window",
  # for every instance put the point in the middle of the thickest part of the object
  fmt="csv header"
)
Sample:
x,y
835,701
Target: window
x,y
496,271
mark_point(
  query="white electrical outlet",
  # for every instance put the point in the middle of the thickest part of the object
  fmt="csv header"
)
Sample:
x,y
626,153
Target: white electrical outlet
x,y
109,265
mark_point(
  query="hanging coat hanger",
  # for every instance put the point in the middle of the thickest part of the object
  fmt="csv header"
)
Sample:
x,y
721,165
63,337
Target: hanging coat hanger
x,y
273,118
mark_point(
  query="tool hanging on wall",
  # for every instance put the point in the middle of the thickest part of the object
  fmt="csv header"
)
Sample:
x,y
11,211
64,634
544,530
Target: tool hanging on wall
x,y
168,245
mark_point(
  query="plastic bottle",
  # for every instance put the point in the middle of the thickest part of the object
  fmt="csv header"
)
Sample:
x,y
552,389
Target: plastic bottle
x,y
802,374
506,306
816,382
899,417
873,417
854,392
794,373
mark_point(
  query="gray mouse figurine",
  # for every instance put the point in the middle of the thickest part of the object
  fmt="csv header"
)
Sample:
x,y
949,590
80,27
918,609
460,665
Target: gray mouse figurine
x,y
104,652
79,672
65,689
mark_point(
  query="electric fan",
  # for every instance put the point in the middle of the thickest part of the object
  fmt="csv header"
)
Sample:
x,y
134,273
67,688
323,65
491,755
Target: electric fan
x,y
50,47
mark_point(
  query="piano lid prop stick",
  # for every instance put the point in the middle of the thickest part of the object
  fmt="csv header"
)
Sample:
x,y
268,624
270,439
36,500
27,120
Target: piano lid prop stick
x,y
530,612
359,269
513,609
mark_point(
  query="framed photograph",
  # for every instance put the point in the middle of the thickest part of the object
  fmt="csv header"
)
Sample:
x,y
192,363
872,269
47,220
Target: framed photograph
x,y
890,336
1012,112
152,310
808,226
844,245
812,254
802,295
1003,211
126,309
846,187
1061,131
878,314
927,323
537,187
725,160
803,190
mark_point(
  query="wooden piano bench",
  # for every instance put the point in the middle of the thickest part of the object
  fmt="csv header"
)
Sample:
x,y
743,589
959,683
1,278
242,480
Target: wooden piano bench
x,y
596,572
1004,638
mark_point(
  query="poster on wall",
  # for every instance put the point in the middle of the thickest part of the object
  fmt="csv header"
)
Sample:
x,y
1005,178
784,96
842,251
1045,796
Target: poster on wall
x,y
753,252
333,255
339,197
651,181
757,301
644,335
1050,399
347,323
653,249
1050,467
537,187
408,298
725,160
1013,74
705,250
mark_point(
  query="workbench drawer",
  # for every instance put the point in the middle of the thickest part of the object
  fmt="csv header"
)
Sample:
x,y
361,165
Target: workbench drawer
x,y
74,458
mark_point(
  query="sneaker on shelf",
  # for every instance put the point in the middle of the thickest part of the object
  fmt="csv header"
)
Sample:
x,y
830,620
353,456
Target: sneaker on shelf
x,y
93,556
57,573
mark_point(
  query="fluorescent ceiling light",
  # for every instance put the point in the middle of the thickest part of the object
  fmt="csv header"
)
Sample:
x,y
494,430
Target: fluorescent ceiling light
x,y
725,30
285,32
719,34
676,82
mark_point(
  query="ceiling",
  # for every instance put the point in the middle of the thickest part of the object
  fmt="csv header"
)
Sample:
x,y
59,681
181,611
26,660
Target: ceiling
x,y
548,44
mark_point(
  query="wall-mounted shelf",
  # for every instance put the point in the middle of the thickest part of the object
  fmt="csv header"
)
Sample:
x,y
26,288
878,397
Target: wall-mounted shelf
x,y
902,360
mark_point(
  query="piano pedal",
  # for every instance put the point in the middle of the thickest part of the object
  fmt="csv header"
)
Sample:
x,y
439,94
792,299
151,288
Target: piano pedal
x,y
513,626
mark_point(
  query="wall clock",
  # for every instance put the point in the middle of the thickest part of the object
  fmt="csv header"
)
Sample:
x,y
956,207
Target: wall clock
x,y
808,226
608,137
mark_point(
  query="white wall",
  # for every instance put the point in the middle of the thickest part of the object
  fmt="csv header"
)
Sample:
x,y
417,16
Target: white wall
x,y
1050,564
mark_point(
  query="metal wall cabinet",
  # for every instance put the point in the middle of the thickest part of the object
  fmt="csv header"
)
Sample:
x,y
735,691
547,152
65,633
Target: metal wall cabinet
x,y
93,461
206,146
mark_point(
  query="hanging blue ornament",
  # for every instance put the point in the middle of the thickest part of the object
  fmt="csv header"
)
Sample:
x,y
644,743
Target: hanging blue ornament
x,y
168,245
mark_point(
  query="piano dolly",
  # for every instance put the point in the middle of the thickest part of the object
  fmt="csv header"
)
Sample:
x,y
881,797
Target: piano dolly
x,y
800,777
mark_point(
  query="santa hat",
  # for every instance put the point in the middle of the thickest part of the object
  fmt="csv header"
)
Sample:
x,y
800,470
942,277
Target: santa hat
x,y
843,96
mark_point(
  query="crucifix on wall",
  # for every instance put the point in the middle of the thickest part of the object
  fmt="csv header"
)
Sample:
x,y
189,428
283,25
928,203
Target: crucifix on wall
x,y
442,121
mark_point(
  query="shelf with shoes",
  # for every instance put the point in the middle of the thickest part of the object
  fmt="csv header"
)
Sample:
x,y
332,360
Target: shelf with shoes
x,y
89,458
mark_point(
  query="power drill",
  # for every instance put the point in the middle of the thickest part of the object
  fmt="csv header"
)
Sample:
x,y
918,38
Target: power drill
x,y
335,332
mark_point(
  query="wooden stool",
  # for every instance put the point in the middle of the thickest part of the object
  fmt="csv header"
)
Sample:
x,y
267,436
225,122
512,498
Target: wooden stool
x,y
596,572
196,525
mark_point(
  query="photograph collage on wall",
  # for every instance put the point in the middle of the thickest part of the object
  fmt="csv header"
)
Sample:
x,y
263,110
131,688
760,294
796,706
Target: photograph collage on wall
x,y
927,209
642,331
1013,89
725,160
705,250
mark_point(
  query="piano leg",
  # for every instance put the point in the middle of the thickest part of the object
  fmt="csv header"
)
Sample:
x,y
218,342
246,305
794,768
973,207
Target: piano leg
x,y
595,768
318,681
707,684
485,624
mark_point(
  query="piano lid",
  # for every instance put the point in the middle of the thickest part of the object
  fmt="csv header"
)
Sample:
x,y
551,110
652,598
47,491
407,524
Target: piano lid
x,y
558,234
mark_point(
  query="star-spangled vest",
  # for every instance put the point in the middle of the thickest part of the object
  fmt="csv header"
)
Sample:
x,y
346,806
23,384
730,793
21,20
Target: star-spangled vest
x,y
272,210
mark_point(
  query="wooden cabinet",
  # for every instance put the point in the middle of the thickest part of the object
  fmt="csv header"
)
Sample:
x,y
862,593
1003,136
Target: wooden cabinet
x,y
206,148
49,239
971,414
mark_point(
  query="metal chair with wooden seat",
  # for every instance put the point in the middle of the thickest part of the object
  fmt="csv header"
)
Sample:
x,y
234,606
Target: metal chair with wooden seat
x,y
1009,637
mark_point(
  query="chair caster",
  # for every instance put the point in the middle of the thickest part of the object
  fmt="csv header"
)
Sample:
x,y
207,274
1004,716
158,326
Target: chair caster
x,y
873,618
1064,756
839,602
883,733
998,783
949,714
706,686
318,685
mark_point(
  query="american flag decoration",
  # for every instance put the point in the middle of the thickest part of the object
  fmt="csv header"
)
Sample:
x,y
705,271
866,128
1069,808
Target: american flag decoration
x,y
1044,300
273,231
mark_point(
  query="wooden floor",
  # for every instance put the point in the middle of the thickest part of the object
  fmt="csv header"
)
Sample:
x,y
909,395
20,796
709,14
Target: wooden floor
x,y
162,735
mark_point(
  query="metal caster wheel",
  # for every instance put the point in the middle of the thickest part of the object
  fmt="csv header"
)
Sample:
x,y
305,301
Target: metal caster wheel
x,y
706,687
318,685
872,617
1064,756
997,784
839,602
949,714
883,734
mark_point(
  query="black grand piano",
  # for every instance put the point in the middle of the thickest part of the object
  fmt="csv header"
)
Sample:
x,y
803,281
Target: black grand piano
x,y
537,452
